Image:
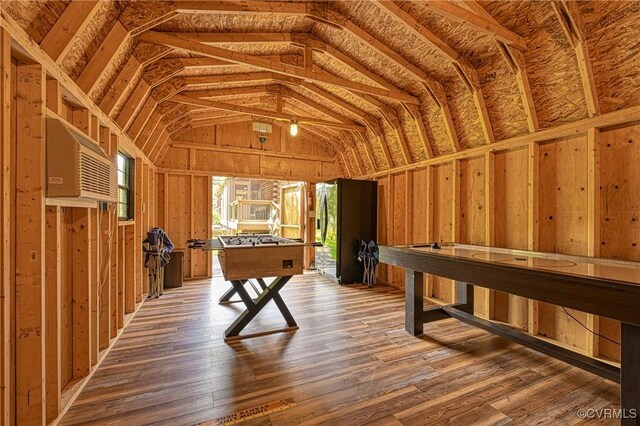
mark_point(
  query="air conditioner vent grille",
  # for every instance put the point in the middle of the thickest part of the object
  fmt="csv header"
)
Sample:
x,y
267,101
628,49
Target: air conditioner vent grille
x,y
95,175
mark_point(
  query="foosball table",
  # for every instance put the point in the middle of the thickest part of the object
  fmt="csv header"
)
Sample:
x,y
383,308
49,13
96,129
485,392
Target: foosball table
x,y
246,260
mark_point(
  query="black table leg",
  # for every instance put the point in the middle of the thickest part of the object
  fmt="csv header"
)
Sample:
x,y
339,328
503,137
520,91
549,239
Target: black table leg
x,y
630,374
413,299
280,304
253,308
226,297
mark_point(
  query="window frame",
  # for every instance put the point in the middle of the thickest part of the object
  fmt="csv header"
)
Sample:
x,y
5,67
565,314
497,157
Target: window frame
x,y
129,186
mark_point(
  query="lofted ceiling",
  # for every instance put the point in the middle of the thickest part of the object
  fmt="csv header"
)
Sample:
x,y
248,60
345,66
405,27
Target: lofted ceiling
x,y
380,84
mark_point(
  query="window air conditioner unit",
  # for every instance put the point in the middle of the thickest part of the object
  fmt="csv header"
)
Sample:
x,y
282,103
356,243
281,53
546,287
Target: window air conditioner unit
x,y
77,167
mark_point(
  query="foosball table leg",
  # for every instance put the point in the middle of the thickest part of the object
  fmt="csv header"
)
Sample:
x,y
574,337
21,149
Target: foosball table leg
x,y
269,293
226,297
277,299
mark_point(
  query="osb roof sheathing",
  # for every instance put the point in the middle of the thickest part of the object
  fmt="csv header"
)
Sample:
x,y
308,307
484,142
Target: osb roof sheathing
x,y
612,29
36,17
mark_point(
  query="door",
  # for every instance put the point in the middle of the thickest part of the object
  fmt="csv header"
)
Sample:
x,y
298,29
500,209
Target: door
x,y
327,232
290,211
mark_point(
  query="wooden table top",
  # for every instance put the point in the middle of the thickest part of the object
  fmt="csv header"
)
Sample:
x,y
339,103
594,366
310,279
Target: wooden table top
x,y
591,267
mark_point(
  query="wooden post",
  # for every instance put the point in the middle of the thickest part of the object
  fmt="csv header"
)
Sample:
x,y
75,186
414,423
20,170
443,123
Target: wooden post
x,y
94,254
81,305
129,264
593,226
533,234
30,221
5,226
139,231
53,332
484,295
310,230
104,274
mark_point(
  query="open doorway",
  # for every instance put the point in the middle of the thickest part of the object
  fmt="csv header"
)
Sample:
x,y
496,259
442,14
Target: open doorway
x,y
260,206
256,206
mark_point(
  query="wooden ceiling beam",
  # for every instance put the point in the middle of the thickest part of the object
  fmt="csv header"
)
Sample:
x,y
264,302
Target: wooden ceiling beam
x,y
478,23
301,39
516,63
232,91
418,121
263,113
572,24
467,73
232,38
269,65
318,107
201,80
391,117
418,29
115,40
68,28
440,98
371,121
220,7
433,87
196,63
119,87
368,150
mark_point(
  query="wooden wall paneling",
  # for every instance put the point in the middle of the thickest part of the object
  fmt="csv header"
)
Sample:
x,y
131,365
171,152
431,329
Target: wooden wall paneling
x,y
191,223
104,275
408,213
419,192
383,212
53,309
177,205
398,230
116,299
6,85
81,292
443,227
533,226
593,224
391,271
473,211
201,224
94,253
563,226
140,275
619,204
29,248
66,296
510,213
122,275
483,305
54,96
130,267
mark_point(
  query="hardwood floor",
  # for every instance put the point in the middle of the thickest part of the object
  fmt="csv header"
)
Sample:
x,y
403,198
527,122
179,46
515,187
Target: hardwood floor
x,y
349,363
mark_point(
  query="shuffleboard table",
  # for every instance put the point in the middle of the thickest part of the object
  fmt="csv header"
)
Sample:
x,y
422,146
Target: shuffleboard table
x,y
604,287
248,258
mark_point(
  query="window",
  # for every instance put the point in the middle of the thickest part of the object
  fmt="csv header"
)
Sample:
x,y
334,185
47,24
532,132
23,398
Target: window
x,y
125,187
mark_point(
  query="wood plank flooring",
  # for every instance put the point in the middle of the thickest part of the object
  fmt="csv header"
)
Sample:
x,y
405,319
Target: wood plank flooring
x,y
349,363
